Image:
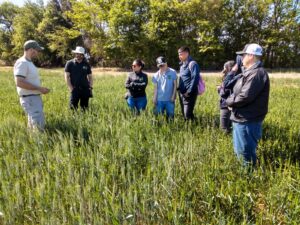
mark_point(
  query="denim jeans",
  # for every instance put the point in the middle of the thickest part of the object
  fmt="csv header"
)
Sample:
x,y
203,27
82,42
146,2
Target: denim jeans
x,y
137,104
167,106
245,140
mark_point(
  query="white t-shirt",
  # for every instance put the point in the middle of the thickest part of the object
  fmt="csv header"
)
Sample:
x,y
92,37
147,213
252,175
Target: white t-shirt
x,y
25,68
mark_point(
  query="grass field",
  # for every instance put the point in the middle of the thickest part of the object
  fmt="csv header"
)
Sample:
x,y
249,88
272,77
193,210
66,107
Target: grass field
x,y
107,167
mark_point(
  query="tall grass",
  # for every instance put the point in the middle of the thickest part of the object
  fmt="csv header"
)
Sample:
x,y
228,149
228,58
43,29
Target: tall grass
x,y
107,167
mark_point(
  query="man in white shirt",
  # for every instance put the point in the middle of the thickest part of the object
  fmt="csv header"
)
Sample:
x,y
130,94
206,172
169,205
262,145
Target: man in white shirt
x,y
29,87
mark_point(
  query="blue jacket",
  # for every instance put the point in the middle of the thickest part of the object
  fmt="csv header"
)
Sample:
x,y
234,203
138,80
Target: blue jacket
x,y
189,77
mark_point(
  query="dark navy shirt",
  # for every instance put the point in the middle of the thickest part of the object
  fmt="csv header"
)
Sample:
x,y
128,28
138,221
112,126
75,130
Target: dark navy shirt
x,y
189,77
78,73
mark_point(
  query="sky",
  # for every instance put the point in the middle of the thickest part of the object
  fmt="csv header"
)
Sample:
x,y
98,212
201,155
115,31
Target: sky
x,y
19,2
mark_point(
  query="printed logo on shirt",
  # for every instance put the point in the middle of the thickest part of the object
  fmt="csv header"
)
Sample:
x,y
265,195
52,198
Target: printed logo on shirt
x,y
85,67
169,77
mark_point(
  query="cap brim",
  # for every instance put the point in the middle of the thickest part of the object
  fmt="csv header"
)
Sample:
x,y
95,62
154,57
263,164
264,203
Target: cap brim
x,y
161,64
73,51
240,52
39,48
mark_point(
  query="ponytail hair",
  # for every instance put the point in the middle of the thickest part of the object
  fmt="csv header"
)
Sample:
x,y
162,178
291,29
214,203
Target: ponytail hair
x,y
227,68
140,63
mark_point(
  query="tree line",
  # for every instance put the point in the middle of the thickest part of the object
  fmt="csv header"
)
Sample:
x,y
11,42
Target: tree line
x,y
115,32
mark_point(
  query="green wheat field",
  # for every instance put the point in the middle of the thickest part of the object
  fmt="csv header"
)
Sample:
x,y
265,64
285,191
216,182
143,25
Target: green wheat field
x,y
106,166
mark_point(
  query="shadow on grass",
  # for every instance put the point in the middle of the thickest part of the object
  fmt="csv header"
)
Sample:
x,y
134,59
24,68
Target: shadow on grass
x,y
67,127
280,144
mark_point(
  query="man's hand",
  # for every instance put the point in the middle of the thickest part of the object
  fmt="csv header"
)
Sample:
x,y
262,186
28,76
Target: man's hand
x,y
44,90
154,101
186,95
173,98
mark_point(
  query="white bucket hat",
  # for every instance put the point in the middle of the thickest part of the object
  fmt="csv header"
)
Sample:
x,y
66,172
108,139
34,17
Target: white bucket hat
x,y
79,50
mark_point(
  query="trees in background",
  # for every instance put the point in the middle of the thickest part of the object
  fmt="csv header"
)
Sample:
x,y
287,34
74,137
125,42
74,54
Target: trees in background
x,y
8,11
116,31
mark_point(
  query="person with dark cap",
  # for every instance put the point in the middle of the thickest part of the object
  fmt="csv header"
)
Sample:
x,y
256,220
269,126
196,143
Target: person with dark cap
x,y
78,76
29,86
188,83
249,103
165,84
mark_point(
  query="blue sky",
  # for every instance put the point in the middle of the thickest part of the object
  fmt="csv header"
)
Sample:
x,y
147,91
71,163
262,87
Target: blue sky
x,y
19,2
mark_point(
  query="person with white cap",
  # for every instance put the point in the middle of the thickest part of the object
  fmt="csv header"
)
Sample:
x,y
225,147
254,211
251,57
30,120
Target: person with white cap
x,y
165,84
29,86
249,103
78,76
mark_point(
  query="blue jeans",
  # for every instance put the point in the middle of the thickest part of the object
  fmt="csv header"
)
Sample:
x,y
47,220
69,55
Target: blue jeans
x,y
245,140
167,106
137,104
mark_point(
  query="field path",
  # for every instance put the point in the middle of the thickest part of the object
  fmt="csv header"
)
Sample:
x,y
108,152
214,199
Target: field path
x,y
121,72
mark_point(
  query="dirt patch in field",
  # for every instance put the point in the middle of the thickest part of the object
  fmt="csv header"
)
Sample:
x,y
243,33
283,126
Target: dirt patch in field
x,y
285,75
121,72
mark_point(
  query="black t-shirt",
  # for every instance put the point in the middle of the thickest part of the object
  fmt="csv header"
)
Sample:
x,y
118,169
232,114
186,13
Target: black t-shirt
x,y
78,73
136,84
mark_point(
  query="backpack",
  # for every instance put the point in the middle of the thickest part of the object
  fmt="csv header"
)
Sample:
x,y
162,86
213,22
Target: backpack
x,y
201,84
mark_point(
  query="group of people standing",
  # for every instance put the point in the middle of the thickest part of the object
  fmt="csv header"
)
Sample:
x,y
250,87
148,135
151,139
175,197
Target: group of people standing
x,y
244,91
244,101
165,86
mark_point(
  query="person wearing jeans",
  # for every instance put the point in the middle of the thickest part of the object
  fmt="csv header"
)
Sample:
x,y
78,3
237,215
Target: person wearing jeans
x,y
136,84
246,136
165,82
249,104
188,83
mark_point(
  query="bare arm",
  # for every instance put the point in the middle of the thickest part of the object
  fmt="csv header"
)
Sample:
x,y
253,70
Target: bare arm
x,y
90,79
22,83
174,91
155,94
68,81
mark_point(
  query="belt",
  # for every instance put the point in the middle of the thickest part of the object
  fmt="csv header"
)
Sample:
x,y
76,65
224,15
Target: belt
x,y
24,96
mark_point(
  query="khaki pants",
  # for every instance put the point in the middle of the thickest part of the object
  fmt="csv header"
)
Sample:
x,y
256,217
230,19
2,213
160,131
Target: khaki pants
x,y
33,107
